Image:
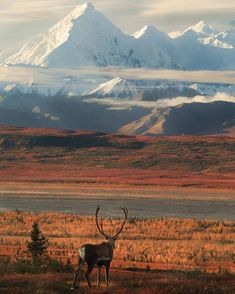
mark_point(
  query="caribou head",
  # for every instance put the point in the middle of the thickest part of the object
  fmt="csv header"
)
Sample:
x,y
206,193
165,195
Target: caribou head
x,y
110,239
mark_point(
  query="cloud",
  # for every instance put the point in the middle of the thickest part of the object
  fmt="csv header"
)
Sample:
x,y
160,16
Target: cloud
x,y
28,11
220,77
124,13
182,6
197,99
118,104
20,74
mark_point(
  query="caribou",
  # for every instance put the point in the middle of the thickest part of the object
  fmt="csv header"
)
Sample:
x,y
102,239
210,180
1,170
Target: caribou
x,y
98,254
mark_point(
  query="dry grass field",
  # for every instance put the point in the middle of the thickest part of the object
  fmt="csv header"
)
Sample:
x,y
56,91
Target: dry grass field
x,y
149,243
152,256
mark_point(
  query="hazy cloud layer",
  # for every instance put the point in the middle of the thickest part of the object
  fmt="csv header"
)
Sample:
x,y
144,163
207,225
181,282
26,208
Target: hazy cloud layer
x,y
121,104
221,77
56,77
20,19
17,74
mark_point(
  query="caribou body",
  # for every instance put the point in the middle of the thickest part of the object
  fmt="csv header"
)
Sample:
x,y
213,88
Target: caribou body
x,y
98,255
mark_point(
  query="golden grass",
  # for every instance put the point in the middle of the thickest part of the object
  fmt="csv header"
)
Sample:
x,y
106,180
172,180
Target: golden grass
x,y
156,243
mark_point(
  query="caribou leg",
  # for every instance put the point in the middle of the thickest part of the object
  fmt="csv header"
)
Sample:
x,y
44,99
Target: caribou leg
x,y
79,266
98,276
107,266
88,272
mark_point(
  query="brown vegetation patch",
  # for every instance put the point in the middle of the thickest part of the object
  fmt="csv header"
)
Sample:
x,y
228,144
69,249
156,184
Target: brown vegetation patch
x,y
44,155
123,282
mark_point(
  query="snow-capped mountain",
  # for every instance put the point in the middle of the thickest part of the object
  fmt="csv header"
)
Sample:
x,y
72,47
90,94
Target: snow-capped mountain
x,y
142,89
213,89
85,37
117,87
42,84
207,35
168,89
101,87
203,47
156,43
227,37
201,29
148,90
143,111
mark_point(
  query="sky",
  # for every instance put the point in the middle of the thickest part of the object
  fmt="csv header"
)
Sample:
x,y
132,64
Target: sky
x,y
21,19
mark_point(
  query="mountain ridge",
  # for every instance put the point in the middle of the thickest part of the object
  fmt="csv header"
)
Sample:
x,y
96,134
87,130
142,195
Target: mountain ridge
x,y
85,37
186,119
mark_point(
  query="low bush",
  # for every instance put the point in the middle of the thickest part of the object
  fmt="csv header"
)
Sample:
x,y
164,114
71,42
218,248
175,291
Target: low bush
x,y
40,265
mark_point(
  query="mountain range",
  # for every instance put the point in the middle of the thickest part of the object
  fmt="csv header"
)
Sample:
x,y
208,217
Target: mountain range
x,y
149,90
176,116
44,85
85,37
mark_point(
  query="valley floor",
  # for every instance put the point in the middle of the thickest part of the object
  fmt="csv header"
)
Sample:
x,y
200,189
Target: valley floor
x,y
89,159
49,164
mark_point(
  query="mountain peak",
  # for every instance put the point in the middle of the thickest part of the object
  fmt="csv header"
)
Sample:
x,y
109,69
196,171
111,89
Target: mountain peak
x,y
202,27
85,6
117,87
88,4
80,10
149,28
146,30
117,79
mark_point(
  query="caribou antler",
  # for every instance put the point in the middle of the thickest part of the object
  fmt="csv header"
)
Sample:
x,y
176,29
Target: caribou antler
x,y
99,227
125,210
